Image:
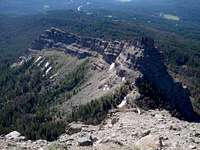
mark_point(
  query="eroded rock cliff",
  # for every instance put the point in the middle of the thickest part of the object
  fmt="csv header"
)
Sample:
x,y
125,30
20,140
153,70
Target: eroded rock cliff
x,y
132,61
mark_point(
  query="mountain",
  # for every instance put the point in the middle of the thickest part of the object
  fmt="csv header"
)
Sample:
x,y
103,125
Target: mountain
x,y
179,44
65,77
93,74
126,58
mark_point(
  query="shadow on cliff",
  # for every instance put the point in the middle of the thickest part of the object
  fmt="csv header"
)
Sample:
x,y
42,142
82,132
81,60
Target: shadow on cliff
x,y
154,71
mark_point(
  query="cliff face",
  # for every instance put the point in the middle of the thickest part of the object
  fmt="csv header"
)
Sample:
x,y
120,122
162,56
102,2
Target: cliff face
x,y
133,61
145,58
55,38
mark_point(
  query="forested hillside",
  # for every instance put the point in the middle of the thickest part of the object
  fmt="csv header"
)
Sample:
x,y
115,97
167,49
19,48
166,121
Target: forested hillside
x,y
27,96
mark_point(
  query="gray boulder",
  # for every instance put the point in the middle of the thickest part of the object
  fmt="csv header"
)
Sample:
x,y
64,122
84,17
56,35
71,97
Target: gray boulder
x,y
85,140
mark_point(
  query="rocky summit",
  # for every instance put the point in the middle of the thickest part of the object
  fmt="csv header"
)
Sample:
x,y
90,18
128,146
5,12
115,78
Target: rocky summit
x,y
133,121
121,130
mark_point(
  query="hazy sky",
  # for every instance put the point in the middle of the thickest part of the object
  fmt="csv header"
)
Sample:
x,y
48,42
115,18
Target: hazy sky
x,y
124,0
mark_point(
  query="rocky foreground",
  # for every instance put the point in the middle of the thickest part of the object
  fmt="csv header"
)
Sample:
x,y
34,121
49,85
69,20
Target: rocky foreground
x,y
122,130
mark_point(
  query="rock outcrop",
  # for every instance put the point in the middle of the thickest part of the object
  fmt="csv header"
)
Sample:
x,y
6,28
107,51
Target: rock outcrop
x,y
16,136
134,61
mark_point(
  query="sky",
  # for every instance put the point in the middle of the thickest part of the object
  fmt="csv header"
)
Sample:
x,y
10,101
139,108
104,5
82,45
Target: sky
x,y
124,0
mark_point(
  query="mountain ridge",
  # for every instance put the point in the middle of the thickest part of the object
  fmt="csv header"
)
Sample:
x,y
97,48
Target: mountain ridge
x,y
139,55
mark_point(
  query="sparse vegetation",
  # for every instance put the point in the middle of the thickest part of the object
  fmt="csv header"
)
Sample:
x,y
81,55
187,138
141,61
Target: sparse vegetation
x,y
95,111
153,97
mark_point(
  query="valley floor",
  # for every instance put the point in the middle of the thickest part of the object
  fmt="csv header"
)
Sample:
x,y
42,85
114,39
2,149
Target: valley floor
x,y
122,130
